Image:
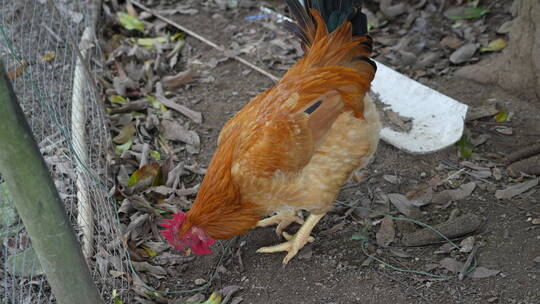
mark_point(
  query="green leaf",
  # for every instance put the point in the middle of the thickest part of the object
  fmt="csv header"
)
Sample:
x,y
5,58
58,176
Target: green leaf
x,y
49,56
117,99
363,235
502,116
149,42
137,114
359,237
460,13
116,298
178,36
151,252
130,22
24,264
494,46
213,299
156,104
155,154
457,24
465,147
123,147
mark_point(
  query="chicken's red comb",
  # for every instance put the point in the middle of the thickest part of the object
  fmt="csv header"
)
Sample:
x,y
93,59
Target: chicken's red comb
x,y
172,226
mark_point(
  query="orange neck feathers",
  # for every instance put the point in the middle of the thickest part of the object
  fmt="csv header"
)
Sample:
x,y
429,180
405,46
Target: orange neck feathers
x,y
218,208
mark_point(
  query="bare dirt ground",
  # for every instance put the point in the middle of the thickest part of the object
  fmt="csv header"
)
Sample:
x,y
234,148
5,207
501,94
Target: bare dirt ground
x,y
335,268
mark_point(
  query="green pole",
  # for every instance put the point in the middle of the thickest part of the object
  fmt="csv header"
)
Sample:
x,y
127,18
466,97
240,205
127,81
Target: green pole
x,y
39,205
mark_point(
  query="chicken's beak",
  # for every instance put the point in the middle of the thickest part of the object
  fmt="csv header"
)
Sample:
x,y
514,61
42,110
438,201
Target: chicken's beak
x,y
187,252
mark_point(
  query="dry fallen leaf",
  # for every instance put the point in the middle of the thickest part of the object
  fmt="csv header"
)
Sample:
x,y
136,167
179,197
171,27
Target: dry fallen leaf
x,y
482,272
386,233
404,205
399,253
172,130
173,82
451,264
121,85
451,42
193,115
131,10
49,56
504,130
516,189
403,124
467,244
445,248
421,196
228,292
137,220
463,54
393,179
478,171
454,195
146,171
17,72
163,190
126,134
475,113
147,267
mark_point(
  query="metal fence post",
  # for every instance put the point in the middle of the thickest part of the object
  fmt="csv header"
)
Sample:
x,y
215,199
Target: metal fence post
x,y
39,205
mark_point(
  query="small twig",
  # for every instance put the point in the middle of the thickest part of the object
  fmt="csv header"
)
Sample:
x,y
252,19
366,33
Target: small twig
x,y
468,263
454,174
163,144
144,155
169,103
374,257
452,228
206,41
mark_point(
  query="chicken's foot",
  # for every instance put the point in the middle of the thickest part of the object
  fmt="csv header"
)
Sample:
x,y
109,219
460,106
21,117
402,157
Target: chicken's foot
x,y
283,219
296,242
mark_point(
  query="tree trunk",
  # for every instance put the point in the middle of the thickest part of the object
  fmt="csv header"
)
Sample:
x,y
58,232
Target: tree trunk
x,y
517,69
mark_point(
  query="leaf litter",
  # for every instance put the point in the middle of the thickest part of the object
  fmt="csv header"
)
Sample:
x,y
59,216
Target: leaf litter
x,y
146,77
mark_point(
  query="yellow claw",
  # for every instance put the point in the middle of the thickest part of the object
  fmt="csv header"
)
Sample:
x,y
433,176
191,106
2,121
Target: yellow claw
x,y
296,242
282,219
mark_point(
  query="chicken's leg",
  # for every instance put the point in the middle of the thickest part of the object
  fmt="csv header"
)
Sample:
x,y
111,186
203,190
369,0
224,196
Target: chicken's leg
x,y
296,242
283,219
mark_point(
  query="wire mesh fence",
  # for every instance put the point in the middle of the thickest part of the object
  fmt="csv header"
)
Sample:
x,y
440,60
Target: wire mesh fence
x,y
51,63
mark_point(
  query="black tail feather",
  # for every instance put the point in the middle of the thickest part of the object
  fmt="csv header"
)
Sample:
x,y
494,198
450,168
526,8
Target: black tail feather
x,y
334,13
